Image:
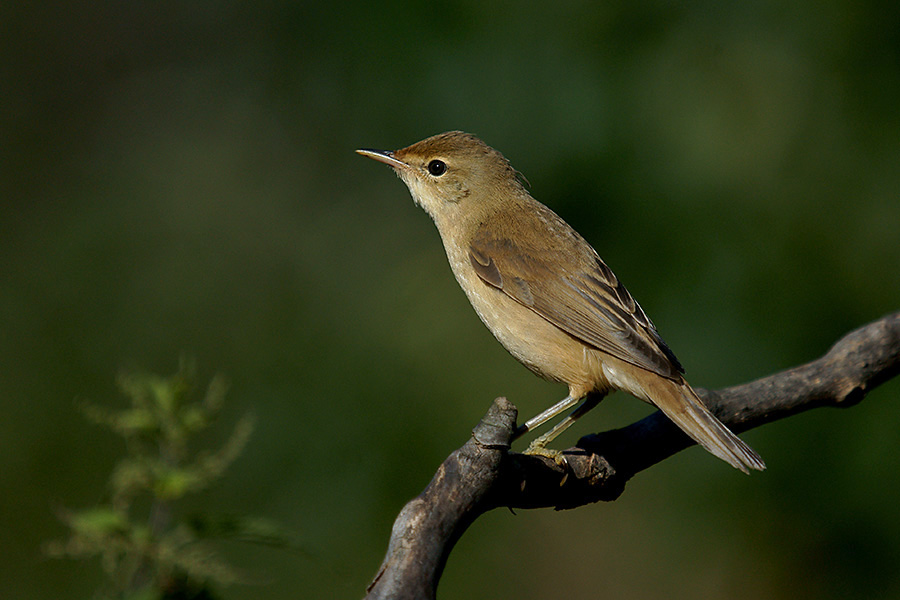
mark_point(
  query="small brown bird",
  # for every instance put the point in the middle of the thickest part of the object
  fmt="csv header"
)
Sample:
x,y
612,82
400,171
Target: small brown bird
x,y
546,295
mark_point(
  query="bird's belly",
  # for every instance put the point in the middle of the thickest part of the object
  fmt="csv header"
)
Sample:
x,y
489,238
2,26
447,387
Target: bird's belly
x,y
544,348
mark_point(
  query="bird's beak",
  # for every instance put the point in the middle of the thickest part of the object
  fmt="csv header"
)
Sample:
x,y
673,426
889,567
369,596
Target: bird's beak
x,y
385,156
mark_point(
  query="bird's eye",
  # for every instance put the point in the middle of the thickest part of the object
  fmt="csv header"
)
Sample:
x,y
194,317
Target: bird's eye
x,y
437,167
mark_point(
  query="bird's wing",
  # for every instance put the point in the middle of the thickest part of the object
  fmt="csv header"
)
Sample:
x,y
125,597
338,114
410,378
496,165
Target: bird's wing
x,y
575,291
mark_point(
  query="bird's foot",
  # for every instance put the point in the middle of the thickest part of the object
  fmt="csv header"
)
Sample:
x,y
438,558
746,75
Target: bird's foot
x,y
538,448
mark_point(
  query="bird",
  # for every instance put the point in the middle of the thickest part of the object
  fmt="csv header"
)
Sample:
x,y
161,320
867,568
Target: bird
x,y
546,295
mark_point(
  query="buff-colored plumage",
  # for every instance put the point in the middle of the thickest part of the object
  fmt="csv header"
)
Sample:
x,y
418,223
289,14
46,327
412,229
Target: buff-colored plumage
x,y
544,292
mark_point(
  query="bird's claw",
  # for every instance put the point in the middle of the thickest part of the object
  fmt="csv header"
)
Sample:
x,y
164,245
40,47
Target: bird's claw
x,y
536,449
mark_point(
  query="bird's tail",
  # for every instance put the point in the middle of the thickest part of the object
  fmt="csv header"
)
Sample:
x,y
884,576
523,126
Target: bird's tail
x,y
681,404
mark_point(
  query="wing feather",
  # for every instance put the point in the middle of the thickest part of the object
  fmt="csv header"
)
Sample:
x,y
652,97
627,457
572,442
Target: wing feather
x,y
575,291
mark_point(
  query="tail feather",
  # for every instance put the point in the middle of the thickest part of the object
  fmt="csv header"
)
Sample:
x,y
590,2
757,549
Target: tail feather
x,y
681,404
678,401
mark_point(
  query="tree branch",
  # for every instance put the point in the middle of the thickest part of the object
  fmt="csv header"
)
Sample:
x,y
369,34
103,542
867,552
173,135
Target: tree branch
x,y
483,474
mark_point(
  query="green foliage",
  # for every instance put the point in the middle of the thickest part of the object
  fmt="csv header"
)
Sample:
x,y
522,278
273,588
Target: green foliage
x,y
147,551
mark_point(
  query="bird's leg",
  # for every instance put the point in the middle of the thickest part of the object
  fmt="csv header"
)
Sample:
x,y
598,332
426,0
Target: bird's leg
x,y
539,446
535,422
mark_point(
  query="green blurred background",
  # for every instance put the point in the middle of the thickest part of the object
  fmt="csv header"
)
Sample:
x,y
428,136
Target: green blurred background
x,y
180,177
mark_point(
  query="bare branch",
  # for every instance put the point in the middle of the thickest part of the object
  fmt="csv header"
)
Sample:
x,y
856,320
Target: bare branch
x,y
484,474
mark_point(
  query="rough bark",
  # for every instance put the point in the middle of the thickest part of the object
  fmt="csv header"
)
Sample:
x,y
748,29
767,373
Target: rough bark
x,y
484,474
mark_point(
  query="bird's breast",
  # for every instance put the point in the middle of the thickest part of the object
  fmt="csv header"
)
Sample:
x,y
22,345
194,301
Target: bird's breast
x,y
544,348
